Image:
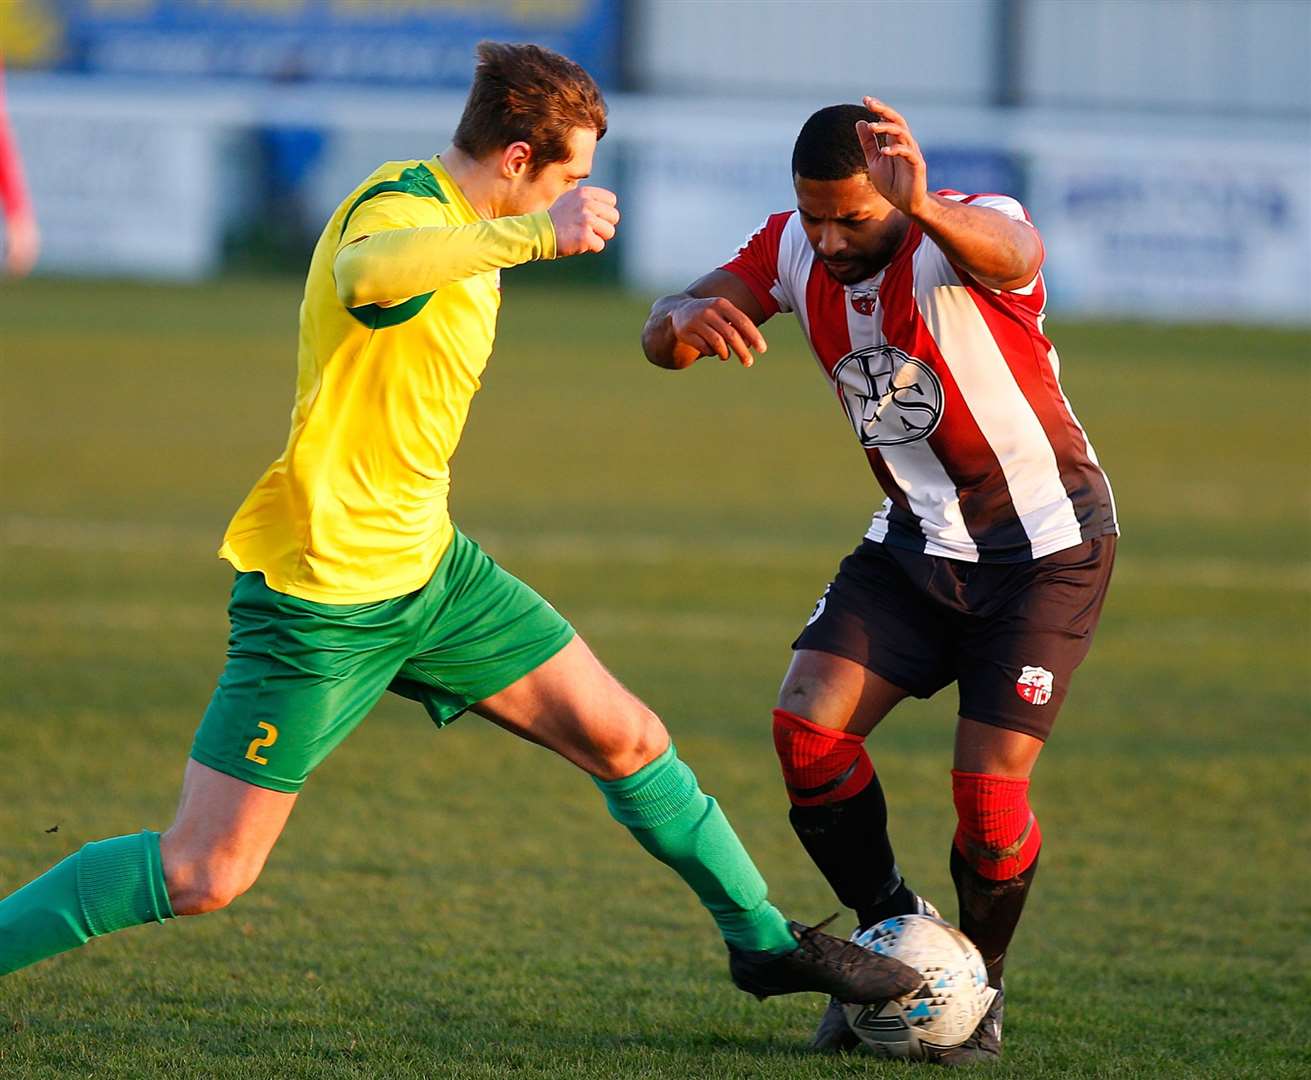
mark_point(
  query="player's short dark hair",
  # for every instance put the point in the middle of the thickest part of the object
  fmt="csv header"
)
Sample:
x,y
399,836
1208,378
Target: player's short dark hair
x,y
525,93
828,147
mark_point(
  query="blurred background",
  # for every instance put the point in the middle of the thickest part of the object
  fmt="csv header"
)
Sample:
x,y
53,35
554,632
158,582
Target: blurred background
x,y
1162,145
460,904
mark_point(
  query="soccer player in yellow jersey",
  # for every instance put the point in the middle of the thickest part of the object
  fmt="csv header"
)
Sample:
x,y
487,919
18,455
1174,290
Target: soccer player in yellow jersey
x,y
352,580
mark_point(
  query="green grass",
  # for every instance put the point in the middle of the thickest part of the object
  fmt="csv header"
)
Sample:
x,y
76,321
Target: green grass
x,y
460,905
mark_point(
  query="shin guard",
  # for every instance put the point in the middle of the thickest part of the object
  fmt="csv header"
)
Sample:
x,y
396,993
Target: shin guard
x,y
996,832
106,886
839,815
664,808
820,765
994,858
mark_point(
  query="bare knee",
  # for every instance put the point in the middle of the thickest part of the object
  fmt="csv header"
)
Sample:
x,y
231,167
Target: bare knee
x,y
800,693
204,879
836,693
994,751
634,739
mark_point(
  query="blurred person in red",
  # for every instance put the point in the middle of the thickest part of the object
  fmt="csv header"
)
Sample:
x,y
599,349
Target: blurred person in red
x,y
22,239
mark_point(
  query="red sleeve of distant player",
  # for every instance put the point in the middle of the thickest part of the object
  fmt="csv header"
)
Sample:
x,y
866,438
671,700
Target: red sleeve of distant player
x,y
756,261
13,192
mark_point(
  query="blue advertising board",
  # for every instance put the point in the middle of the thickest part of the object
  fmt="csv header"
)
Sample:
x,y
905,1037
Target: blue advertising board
x,y
394,42
975,171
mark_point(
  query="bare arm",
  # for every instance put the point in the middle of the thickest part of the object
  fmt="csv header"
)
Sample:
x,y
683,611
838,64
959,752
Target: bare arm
x,y
997,251
717,315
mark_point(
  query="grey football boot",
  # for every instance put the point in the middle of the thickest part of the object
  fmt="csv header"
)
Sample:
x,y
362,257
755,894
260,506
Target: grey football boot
x,y
834,1034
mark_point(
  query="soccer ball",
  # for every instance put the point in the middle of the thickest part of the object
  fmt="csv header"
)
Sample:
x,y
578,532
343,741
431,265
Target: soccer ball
x,y
949,1003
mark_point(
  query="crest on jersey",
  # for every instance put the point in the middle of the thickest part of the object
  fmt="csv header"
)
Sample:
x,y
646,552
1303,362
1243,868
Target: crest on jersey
x,y
1035,685
890,398
864,299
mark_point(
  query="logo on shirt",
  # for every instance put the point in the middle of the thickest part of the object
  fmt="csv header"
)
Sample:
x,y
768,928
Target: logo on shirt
x,y
890,398
864,299
1035,685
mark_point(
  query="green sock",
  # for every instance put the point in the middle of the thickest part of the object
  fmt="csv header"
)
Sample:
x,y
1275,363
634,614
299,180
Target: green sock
x,y
106,886
664,808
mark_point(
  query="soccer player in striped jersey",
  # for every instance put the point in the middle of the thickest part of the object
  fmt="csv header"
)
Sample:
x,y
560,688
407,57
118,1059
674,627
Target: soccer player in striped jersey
x,y
989,560
352,579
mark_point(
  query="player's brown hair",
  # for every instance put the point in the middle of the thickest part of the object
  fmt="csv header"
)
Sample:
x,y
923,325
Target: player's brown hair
x,y
525,93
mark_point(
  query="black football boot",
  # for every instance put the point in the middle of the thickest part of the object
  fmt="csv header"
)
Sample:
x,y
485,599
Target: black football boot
x,y
824,964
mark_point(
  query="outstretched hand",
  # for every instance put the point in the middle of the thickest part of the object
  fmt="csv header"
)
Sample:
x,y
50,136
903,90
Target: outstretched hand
x,y
715,326
584,219
896,165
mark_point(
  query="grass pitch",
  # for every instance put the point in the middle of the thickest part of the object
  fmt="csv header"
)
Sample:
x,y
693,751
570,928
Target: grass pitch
x,y
459,904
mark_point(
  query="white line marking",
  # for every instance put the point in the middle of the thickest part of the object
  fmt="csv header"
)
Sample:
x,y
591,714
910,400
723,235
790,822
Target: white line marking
x,y
211,619
86,536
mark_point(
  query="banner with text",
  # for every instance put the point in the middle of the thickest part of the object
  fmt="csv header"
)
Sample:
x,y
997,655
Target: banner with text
x,y
425,42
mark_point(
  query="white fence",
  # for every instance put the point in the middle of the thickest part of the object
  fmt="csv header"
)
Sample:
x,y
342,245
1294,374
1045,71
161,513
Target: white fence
x,y
1142,216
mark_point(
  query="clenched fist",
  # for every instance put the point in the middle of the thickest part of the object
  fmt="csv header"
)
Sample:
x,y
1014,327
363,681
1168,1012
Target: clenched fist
x,y
584,220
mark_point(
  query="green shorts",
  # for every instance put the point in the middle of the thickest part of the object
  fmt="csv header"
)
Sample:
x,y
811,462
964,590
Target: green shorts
x,y
300,675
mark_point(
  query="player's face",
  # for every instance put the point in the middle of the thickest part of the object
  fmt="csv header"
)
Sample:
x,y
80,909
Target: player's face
x,y
853,229
541,190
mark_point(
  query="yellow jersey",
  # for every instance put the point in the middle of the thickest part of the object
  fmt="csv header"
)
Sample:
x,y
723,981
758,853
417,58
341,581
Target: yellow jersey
x,y
355,508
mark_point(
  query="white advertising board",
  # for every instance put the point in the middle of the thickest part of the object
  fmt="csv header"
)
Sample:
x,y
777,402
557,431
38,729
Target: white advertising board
x,y
689,203
1154,228
123,194
1145,217
1199,232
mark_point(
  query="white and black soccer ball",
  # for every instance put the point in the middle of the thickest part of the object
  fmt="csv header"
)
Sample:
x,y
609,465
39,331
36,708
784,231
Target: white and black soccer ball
x,y
947,1006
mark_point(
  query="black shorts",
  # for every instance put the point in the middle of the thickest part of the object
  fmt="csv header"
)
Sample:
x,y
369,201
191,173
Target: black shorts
x,y
1009,634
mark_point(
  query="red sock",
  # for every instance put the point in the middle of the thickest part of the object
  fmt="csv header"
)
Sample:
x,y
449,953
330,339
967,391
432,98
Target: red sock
x,y
820,765
996,832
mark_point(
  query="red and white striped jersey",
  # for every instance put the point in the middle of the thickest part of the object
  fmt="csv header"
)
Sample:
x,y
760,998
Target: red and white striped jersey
x,y
953,392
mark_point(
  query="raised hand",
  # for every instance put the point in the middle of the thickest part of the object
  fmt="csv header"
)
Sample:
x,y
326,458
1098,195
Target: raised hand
x,y
896,165
715,326
584,219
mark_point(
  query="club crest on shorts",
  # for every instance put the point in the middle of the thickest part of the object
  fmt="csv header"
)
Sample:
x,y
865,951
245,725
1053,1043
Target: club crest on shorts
x,y
890,398
1035,685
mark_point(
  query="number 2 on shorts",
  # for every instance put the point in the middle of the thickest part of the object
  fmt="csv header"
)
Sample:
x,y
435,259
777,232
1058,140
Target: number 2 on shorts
x,y
258,743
